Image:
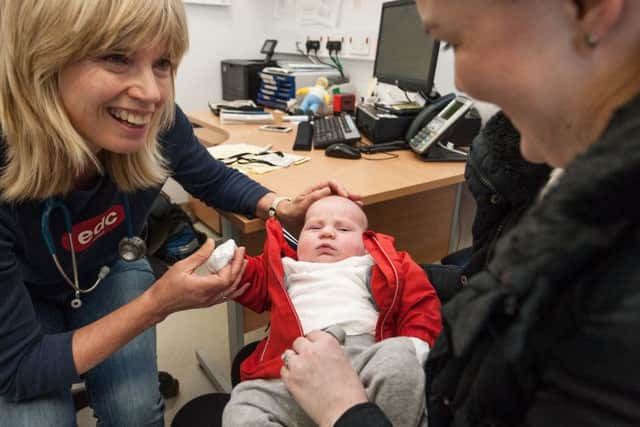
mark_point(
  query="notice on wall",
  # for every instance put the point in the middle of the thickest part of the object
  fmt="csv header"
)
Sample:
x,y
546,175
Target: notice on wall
x,y
309,12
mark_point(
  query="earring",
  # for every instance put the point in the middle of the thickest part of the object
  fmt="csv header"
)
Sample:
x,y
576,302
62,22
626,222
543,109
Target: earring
x,y
591,39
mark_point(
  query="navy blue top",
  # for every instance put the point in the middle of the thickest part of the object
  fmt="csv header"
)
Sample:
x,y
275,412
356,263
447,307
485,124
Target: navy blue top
x,y
33,363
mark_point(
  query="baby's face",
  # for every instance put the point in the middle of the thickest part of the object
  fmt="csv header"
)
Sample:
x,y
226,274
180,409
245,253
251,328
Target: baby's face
x,y
332,231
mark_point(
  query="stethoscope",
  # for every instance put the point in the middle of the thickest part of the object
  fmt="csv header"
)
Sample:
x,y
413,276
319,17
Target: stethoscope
x,y
130,248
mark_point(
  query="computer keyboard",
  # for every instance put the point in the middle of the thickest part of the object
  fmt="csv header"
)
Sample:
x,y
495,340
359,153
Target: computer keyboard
x,y
333,129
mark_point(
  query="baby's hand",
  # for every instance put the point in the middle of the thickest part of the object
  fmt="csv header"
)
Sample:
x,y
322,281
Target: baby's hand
x,y
221,256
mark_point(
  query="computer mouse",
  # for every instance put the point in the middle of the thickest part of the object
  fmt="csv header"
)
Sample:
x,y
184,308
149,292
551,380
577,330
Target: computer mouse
x,y
342,150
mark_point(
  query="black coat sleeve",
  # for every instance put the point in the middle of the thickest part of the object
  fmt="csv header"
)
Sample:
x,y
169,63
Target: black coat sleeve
x,y
363,415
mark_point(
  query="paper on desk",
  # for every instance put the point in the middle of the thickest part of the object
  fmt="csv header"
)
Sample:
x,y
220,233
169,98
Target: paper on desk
x,y
278,161
223,151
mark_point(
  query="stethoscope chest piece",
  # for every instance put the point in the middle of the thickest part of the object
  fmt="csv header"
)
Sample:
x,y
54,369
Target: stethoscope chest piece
x,y
132,248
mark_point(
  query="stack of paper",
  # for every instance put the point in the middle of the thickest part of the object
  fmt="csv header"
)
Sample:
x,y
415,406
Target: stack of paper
x,y
252,159
240,117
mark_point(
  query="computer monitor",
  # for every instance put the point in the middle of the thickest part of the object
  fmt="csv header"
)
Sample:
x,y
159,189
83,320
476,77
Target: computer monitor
x,y
406,56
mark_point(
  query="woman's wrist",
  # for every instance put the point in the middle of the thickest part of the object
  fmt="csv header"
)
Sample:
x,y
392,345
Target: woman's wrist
x,y
273,211
264,203
157,313
273,205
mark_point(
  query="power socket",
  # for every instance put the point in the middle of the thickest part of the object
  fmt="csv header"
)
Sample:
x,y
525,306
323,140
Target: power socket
x,y
334,46
313,45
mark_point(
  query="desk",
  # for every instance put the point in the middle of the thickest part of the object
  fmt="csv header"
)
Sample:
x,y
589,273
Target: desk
x,y
416,202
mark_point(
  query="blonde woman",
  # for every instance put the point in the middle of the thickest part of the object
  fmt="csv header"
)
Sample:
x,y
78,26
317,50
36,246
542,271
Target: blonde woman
x,y
90,132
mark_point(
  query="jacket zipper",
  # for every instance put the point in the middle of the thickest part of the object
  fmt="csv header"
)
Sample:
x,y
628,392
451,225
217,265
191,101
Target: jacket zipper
x,y
487,183
266,345
397,286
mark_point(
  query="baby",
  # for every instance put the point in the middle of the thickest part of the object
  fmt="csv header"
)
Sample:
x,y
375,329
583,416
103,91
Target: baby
x,y
348,279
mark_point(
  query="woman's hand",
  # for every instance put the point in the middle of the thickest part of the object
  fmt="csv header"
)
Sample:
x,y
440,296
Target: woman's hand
x,y
317,366
181,288
291,214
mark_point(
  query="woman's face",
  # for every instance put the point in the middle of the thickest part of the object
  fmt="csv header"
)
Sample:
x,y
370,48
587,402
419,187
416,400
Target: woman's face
x,y
511,53
111,99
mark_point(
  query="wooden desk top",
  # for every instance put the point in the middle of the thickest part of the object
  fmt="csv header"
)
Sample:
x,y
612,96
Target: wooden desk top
x,y
375,180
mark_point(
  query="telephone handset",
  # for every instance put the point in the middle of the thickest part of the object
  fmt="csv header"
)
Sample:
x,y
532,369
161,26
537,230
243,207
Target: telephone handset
x,y
427,114
432,123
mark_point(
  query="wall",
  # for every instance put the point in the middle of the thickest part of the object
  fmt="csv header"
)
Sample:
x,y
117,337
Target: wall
x,y
217,33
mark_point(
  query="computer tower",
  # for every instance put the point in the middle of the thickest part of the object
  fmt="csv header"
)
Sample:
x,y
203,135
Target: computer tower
x,y
240,78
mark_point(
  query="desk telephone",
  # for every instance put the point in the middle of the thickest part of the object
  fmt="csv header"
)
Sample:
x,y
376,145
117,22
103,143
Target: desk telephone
x,y
450,117
428,134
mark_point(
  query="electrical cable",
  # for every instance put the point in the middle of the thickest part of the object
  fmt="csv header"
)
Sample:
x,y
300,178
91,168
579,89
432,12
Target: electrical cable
x,y
306,55
388,156
338,63
330,65
325,63
299,49
406,95
384,147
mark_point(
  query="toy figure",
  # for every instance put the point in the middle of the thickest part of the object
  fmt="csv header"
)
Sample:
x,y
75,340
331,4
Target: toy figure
x,y
315,96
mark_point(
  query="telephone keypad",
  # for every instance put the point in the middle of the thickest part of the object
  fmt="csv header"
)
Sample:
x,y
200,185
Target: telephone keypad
x,y
435,124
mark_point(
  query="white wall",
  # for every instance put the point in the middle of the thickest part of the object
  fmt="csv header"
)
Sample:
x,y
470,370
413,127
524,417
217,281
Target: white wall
x,y
217,33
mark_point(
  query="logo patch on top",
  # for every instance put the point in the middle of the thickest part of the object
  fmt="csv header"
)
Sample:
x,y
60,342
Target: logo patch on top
x,y
85,233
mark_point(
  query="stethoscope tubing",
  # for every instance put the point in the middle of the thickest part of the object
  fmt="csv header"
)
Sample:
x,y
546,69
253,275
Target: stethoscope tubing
x,y
53,204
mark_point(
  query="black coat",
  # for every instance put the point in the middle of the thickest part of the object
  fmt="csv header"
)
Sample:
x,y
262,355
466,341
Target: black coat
x,y
547,335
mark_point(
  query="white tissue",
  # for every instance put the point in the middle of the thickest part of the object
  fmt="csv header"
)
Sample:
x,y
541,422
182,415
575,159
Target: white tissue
x,y
221,256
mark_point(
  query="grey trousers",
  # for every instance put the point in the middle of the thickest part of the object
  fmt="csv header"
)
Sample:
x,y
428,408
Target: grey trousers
x,y
389,371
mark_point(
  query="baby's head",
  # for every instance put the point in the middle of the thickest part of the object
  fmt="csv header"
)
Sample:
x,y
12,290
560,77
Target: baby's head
x,y
332,231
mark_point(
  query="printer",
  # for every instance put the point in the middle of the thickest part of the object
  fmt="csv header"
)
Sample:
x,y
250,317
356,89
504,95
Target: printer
x,y
240,76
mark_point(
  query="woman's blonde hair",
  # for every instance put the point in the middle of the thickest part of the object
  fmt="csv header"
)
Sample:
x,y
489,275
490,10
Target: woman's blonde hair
x,y
43,153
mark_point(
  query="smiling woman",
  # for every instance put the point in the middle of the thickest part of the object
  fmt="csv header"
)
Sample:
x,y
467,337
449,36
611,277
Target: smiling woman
x,y
40,93
90,133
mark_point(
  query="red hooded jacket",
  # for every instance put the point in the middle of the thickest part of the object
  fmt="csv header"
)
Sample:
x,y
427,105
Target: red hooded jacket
x,y
406,301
